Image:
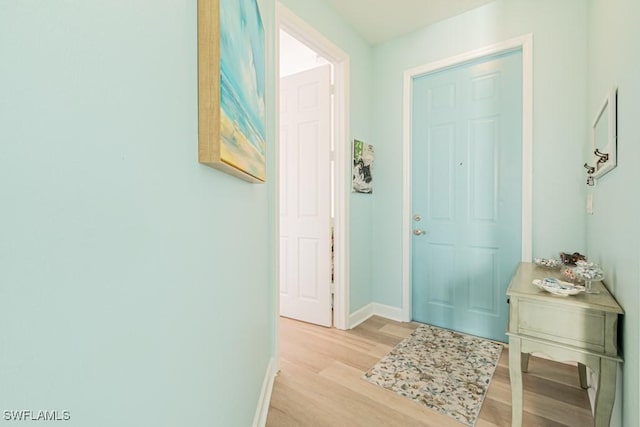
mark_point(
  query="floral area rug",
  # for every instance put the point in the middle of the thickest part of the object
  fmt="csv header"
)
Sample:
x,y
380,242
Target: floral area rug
x,y
447,371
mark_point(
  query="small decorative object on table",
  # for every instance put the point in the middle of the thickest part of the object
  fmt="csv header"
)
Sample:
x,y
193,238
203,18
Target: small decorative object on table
x,y
558,287
571,259
548,263
570,276
588,272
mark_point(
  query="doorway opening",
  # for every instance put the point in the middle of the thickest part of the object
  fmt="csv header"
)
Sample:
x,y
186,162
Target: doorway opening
x,y
306,182
312,175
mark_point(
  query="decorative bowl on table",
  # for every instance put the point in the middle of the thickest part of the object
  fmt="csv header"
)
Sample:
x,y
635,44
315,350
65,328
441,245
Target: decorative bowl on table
x,y
550,263
558,287
588,272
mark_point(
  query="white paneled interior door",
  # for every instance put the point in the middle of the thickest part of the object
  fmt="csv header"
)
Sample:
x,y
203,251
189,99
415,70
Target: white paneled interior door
x,y
305,196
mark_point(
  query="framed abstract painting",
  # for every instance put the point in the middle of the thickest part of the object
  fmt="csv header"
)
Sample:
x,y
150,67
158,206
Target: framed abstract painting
x,y
231,88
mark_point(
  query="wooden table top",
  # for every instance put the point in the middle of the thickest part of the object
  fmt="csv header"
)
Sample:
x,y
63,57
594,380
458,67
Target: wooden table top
x,y
521,286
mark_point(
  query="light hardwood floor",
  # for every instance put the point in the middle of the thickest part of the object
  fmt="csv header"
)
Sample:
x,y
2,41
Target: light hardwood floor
x,y
319,384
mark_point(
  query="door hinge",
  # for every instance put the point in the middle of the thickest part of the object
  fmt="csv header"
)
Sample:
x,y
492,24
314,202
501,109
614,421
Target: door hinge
x,y
332,88
332,289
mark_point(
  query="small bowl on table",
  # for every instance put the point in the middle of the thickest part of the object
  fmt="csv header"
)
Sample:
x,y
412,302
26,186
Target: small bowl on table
x,y
548,263
558,287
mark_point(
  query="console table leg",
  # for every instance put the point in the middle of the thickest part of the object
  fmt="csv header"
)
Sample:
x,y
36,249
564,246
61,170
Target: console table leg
x,y
606,392
515,375
582,372
525,362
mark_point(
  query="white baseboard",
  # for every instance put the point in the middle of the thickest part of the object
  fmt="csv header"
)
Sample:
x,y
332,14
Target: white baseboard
x,y
260,418
360,316
375,309
386,311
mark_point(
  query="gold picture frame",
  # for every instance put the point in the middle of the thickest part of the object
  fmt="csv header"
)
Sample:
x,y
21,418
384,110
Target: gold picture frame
x,y
231,88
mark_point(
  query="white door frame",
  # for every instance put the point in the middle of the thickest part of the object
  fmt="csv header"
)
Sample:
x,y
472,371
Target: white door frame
x,y
526,44
292,24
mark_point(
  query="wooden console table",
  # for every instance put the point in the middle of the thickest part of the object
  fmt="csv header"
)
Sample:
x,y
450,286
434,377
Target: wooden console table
x,y
582,328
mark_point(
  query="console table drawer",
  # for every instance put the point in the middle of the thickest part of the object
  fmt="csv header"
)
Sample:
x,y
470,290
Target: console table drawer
x,y
573,326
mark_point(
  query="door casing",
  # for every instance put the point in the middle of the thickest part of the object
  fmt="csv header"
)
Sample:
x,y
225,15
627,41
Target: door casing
x,y
526,44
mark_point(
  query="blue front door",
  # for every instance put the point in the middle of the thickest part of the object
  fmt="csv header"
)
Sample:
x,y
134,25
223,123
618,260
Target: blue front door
x,y
467,193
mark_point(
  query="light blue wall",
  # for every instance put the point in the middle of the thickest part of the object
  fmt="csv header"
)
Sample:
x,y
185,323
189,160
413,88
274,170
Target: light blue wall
x,y
136,283
325,20
613,230
560,56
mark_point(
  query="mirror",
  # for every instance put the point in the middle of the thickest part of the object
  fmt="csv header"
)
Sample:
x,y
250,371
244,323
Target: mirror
x,y
604,136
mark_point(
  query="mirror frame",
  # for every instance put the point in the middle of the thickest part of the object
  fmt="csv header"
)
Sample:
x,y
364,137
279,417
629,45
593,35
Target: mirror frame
x,y
610,108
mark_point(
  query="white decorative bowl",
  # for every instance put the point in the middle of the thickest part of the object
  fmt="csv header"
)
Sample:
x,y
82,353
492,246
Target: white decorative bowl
x,y
558,287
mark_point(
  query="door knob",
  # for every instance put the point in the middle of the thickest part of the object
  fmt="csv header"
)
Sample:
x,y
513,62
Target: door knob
x,y
419,232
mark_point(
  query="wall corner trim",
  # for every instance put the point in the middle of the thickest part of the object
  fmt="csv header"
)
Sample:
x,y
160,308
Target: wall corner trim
x,y
262,409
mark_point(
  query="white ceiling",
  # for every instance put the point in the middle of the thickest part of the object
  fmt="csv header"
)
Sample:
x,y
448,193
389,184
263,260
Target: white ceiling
x,y
382,20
